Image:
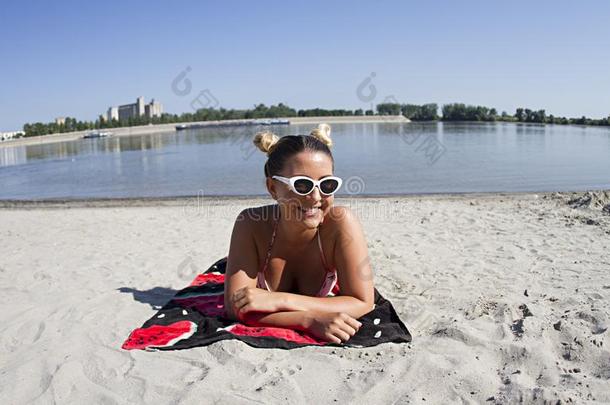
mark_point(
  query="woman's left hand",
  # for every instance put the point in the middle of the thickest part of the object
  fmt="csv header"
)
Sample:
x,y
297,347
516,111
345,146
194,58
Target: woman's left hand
x,y
249,299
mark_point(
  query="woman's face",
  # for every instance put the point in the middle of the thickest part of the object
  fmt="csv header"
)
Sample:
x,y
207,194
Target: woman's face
x,y
292,205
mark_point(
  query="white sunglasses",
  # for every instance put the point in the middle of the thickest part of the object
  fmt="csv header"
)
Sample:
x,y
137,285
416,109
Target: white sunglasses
x,y
303,185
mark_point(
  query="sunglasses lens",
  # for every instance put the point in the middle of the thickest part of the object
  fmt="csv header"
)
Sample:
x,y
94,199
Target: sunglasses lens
x,y
329,186
303,186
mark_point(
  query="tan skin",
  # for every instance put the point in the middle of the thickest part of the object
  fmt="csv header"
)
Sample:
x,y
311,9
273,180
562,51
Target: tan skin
x,y
295,271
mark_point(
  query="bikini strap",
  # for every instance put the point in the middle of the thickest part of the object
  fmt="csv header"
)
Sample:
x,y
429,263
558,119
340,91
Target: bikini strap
x,y
273,239
270,245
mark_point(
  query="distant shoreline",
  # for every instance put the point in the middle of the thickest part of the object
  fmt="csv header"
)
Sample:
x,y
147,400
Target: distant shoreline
x,y
212,200
161,128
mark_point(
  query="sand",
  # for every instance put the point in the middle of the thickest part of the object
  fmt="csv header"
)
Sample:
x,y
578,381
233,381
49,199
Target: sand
x,y
506,297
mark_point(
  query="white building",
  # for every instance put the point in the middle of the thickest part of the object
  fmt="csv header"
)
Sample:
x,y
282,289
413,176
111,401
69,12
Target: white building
x,y
137,109
112,114
153,109
5,136
140,109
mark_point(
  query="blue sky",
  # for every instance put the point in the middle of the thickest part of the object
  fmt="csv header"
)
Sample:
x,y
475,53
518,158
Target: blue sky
x,y
77,58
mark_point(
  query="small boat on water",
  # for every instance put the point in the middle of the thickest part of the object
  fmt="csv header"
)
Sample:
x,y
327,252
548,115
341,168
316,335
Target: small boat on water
x,y
97,134
272,121
248,122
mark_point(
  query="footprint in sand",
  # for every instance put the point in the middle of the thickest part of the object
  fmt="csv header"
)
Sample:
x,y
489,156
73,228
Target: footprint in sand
x,y
596,325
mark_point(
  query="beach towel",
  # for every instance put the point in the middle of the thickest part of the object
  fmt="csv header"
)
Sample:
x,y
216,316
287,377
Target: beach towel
x,y
195,317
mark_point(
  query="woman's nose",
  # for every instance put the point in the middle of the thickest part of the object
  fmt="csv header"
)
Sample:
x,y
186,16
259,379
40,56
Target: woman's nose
x,y
315,194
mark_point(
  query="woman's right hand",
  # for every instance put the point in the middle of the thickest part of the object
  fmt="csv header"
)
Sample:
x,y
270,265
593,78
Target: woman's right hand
x,y
335,327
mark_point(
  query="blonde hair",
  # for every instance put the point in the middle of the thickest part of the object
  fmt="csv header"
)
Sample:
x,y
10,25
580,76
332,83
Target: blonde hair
x,y
266,141
279,149
322,132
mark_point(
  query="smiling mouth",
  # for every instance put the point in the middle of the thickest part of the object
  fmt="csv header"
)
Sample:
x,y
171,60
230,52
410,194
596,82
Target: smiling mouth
x,y
310,211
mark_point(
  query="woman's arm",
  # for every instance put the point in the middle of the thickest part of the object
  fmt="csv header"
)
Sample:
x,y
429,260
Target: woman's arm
x,y
354,272
242,260
349,305
255,300
334,327
290,319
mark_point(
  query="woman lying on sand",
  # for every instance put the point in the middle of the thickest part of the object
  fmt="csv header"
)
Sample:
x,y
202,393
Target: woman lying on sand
x,y
287,260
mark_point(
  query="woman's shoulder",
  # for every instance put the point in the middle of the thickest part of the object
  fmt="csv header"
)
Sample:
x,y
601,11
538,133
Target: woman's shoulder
x,y
340,225
340,220
262,212
340,215
257,218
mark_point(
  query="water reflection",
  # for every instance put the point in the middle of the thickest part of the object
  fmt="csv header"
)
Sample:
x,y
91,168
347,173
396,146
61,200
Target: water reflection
x,y
389,158
12,156
63,150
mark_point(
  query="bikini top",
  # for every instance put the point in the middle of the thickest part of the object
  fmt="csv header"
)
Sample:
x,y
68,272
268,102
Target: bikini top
x,y
330,286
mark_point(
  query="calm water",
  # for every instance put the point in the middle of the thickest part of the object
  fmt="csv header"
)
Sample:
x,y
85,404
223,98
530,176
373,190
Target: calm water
x,y
372,159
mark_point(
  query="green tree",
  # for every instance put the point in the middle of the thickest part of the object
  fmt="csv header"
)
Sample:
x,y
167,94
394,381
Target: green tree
x,y
388,109
520,115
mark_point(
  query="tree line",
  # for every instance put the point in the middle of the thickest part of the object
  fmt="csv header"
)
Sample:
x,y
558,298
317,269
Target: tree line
x,y
463,112
414,112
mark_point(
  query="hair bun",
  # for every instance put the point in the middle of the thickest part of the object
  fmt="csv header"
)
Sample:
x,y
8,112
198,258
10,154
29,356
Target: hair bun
x,y
322,132
266,141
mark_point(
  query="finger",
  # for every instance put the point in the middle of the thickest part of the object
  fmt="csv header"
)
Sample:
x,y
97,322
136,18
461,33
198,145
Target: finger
x,y
332,338
237,299
240,303
347,328
353,323
342,335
